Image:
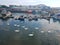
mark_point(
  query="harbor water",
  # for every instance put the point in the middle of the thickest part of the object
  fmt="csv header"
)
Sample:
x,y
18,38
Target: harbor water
x,y
41,32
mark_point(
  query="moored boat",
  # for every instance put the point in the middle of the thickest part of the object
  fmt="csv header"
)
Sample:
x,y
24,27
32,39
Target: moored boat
x,y
6,14
57,17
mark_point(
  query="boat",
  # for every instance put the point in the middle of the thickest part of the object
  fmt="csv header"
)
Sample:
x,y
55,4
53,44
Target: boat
x,y
57,17
6,14
29,11
30,18
21,18
35,18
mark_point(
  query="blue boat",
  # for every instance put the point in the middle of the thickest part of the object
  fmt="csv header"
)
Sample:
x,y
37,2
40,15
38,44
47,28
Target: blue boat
x,y
57,17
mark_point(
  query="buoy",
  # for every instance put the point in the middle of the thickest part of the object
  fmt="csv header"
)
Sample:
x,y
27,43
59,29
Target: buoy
x,y
8,24
42,31
23,26
31,35
26,28
18,25
49,31
36,28
15,25
16,30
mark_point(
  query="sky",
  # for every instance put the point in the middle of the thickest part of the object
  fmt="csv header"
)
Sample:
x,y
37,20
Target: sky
x,y
51,3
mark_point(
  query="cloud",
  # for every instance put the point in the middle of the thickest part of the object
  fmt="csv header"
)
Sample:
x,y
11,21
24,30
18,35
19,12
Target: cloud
x,y
52,3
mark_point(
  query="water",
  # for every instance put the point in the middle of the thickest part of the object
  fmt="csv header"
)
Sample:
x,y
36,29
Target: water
x,y
41,32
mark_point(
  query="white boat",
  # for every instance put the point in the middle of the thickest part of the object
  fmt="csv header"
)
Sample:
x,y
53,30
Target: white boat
x,y
6,14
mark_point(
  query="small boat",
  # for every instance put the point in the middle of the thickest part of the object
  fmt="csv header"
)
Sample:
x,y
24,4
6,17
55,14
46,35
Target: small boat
x,y
21,18
30,18
6,14
35,18
57,17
